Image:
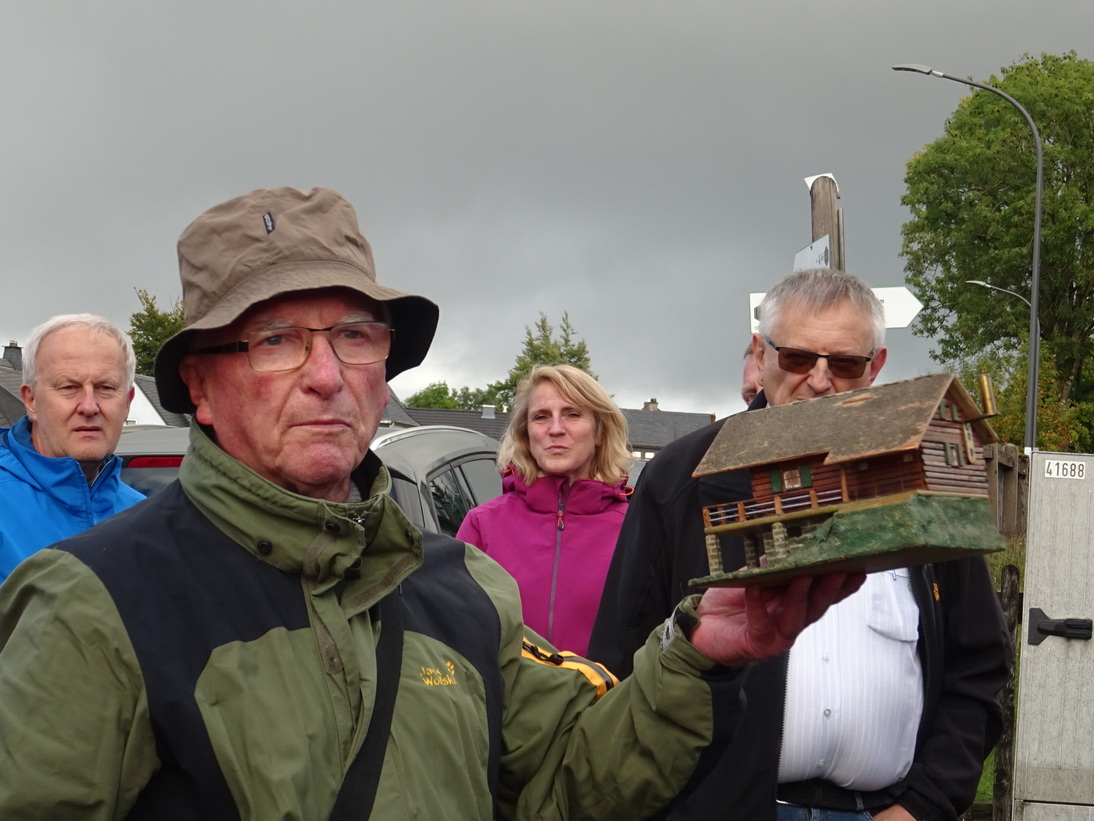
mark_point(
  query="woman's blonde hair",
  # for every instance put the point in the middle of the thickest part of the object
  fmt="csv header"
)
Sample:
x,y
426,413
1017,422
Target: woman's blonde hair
x,y
611,459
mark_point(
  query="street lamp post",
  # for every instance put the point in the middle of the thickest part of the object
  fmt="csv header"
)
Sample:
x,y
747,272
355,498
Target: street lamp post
x,y
1035,273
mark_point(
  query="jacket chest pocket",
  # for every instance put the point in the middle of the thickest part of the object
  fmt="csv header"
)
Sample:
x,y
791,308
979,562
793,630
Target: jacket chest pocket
x,y
893,611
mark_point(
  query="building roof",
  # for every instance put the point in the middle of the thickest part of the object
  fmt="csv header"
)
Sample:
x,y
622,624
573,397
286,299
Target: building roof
x,y
11,403
653,429
490,422
845,426
147,386
395,414
648,429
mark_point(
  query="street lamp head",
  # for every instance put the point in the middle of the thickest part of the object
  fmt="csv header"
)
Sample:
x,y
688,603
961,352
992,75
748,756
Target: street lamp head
x,y
978,282
918,68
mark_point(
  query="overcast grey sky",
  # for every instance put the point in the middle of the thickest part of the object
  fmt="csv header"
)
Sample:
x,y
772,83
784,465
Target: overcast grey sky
x,y
638,164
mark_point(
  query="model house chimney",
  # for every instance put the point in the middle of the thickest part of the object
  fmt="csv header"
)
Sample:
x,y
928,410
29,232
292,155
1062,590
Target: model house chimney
x,y
651,405
488,411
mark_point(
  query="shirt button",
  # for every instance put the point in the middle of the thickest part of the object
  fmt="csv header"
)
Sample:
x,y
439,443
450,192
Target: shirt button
x,y
825,657
827,713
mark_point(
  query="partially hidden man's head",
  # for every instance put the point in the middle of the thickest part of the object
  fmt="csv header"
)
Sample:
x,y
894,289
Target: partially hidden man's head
x,y
821,331
78,377
750,377
288,339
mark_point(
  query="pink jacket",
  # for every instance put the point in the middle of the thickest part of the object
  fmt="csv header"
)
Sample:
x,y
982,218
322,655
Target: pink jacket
x,y
557,541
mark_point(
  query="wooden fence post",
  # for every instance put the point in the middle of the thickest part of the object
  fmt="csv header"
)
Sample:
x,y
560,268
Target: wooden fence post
x,y
1002,792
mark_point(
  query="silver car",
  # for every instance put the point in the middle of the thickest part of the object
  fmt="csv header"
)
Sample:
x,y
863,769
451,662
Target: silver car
x,y
438,472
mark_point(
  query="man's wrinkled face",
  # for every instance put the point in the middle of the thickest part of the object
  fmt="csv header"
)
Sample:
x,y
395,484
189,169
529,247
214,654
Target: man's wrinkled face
x,y
840,329
305,429
79,400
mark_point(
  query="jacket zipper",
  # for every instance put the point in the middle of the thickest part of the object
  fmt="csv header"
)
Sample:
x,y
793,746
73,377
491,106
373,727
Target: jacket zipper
x,y
924,601
560,525
782,729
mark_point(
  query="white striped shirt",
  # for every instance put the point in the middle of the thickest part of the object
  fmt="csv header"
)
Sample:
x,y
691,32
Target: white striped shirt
x,y
854,692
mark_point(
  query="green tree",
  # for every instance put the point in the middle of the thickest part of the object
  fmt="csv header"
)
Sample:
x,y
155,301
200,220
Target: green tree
x,y
433,395
1060,424
475,398
542,347
150,327
971,197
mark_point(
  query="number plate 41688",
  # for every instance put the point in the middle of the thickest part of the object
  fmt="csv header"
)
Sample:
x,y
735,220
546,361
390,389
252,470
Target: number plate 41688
x,y
1064,469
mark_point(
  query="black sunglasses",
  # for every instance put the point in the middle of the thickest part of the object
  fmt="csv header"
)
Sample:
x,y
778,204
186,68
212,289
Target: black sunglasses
x,y
841,365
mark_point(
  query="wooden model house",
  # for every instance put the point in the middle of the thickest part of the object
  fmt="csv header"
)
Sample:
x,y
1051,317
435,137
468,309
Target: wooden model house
x,y
863,449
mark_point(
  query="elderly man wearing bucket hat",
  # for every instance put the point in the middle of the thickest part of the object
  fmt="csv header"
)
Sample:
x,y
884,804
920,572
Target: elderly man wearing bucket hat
x,y
271,638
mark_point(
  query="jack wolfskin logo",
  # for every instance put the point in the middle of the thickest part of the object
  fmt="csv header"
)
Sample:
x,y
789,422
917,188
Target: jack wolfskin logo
x,y
268,221
439,678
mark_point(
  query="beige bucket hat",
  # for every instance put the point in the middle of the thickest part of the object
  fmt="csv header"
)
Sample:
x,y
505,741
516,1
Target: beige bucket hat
x,y
276,241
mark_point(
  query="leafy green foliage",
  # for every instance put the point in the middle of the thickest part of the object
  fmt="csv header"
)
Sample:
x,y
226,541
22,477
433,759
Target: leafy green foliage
x,y
150,327
541,347
433,395
1060,424
971,195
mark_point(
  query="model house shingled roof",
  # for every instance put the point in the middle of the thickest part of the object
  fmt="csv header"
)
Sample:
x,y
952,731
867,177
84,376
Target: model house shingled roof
x,y
846,426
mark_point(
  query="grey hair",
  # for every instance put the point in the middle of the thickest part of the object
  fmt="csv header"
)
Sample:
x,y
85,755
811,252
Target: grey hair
x,y
816,289
96,325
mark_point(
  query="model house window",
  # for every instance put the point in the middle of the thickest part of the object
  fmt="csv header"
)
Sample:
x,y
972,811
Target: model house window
x,y
949,412
955,455
970,444
791,478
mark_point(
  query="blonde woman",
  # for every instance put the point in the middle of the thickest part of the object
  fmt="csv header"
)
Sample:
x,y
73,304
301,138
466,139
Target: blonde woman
x,y
564,461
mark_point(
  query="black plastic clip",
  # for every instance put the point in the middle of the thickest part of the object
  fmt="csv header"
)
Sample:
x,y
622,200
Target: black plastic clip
x,y
1041,626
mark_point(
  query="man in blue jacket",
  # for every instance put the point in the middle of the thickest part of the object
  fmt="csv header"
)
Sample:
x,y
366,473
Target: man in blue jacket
x,y
58,474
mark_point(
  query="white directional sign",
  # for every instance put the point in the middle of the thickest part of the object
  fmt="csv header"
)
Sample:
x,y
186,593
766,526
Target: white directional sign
x,y
816,255
900,304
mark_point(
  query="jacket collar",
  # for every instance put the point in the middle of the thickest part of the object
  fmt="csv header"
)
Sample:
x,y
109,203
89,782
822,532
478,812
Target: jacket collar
x,y
61,478
585,496
325,542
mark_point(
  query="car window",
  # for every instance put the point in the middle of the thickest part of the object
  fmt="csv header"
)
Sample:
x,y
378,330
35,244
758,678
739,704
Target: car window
x,y
149,474
482,478
450,501
406,495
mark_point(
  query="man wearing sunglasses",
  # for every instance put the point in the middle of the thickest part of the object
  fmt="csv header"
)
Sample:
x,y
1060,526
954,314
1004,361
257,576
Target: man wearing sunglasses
x,y
887,706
